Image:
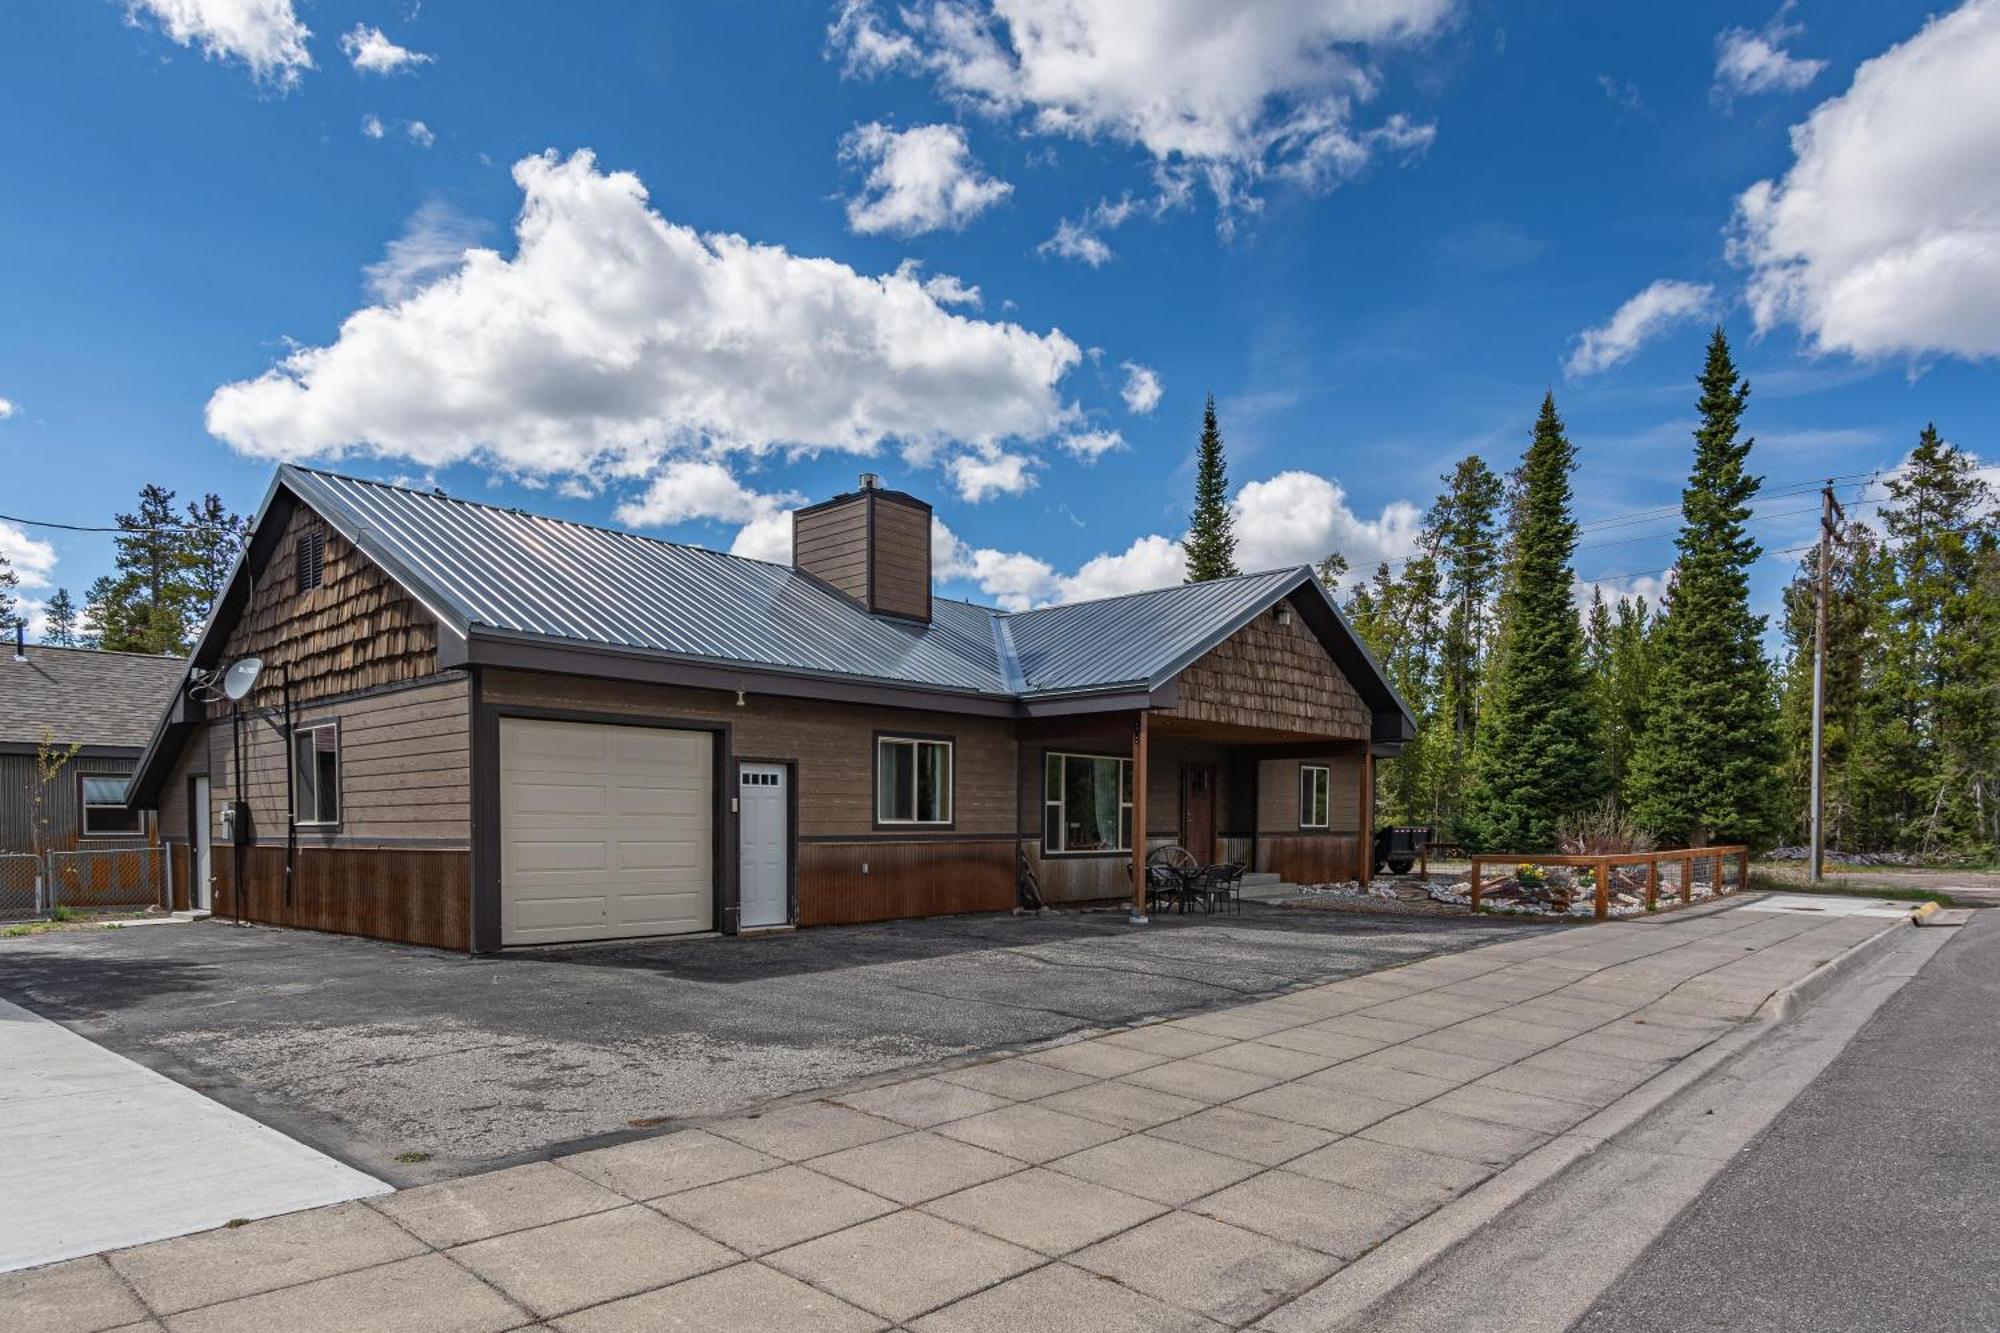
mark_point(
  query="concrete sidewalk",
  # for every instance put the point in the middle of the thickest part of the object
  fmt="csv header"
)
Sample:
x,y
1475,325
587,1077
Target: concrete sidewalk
x,y
1188,1175
101,1152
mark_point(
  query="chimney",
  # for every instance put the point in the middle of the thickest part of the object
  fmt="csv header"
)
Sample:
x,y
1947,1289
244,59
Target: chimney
x,y
873,546
20,639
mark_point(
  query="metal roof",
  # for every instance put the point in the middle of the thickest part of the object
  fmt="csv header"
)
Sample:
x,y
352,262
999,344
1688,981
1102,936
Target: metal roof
x,y
493,572
81,697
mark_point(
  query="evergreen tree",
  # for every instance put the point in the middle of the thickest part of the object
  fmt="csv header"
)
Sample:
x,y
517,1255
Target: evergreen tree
x,y
1467,516
1705,766
1627,682
59,628
1944,617
214,538
169,569
10,609
1211,540
1537,757
1330,570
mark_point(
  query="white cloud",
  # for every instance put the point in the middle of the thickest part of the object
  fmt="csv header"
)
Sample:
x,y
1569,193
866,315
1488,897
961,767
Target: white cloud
x,y
34,561
1091,445
7,408
1652,312
1652,587
420,133
371,51
944,288
1071,240
1234,92
265,35
1297,517
433,245
1884,237
689,488
613,339
991,472
1756,62
1142,389
920,179
371,126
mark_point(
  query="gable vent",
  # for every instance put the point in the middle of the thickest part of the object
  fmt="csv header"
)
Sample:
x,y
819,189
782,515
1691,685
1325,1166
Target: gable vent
x,y
311,558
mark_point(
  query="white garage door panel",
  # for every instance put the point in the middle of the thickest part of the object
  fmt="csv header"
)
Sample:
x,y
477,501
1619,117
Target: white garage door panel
x,y
605,831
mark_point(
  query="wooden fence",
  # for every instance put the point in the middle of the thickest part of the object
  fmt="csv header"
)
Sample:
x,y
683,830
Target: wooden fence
x,y
1603,867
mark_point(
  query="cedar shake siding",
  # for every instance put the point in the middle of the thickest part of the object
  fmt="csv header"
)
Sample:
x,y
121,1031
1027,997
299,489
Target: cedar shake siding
x,y
1272,677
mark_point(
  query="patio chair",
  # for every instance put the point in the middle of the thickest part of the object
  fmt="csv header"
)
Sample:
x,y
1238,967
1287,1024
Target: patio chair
x,y
1221,883
1169,871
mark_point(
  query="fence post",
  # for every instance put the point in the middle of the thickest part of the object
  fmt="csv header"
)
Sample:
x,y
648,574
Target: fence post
x,y
1743,870
1603,890
1687,879
1475,884
1653,882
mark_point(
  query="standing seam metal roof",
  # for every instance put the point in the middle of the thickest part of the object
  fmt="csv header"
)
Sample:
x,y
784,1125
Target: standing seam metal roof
x,y
489,568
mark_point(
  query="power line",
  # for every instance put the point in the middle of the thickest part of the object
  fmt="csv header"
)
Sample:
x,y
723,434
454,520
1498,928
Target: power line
x,y
134,532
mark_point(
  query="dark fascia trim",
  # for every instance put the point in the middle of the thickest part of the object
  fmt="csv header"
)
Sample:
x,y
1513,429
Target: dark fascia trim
x,y
848,497
87,752
1112,701
573,659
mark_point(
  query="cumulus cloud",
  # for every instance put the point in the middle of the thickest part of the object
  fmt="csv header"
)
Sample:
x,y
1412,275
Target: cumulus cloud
x,y
1232,92
1091,445
1142,389
433,245
1658,308
7,408
34,561
918,180
689,488
371,126
1073,240
1749,62
266,35
1884,236
1652,587
419,133
990,472
613,339
370,51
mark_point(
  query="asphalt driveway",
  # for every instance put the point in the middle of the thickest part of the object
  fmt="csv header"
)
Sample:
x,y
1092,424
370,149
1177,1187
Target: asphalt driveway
x,y
414,1065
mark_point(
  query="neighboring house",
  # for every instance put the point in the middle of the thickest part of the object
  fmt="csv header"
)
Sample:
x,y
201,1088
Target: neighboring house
x,y
512,729
104,703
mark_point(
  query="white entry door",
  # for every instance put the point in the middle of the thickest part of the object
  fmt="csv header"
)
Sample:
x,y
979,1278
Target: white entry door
x,y
201,890
604,831
764,861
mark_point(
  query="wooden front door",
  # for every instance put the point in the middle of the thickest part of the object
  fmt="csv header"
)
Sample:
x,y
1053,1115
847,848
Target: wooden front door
x,y
1198,810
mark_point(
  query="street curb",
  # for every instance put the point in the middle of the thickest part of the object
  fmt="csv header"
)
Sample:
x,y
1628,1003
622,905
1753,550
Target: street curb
x,y
1345,1300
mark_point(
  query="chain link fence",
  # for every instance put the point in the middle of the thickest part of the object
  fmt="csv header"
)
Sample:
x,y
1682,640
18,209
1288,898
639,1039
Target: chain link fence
x,y
88,879
20,886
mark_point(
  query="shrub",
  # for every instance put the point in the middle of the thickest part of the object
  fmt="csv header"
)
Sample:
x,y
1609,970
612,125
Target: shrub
x,y
1604,830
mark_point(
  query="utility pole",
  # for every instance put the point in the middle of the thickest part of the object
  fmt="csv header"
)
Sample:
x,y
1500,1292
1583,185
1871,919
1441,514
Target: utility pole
x,y
1830,512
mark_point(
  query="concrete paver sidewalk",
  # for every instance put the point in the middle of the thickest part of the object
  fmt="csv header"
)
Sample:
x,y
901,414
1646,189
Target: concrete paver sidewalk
x,y
1188,1175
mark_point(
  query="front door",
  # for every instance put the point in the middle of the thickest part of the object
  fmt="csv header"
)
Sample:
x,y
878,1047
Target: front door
x,y
202,816
764,861
1198,810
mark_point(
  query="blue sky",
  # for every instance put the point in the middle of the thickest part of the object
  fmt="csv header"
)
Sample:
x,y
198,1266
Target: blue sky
x,y
234,233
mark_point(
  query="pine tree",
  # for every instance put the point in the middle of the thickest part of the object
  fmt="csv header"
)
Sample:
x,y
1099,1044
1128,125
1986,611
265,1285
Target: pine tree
x,y
214,538
1628,679
59,621
1944,619
1467,515
170,568
1537,758
1330,570
1704,769
1211,540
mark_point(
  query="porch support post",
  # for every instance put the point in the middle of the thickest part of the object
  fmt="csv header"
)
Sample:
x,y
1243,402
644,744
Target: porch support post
x,y
1138,917
1367,815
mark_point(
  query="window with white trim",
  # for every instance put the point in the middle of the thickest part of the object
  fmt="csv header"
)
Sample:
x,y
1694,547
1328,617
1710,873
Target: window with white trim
x,y
1087,803
1315,792
912,780
316,774
105,814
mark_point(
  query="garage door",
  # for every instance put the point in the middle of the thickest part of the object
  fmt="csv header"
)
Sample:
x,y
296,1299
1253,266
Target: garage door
x,y
605,831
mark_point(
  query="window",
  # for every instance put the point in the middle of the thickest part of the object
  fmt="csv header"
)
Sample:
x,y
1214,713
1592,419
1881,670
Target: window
x,y
1315,781
311,558
105,814
1087,803
316,774
912,781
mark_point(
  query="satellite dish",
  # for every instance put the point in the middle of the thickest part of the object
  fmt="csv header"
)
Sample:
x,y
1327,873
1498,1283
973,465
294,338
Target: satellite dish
x,y
241,677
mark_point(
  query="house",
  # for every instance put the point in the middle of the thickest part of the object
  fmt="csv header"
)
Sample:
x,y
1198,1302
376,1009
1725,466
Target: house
x,y
509,729
104,705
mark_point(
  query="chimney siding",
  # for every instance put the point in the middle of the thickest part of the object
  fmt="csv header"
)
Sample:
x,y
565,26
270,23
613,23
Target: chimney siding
x,y
873,546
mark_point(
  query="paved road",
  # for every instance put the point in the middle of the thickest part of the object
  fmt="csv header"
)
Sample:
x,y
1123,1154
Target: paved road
x,y
372,1051
1873,1203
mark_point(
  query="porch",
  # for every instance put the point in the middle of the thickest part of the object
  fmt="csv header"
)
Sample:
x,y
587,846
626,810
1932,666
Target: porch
x,y
1289,803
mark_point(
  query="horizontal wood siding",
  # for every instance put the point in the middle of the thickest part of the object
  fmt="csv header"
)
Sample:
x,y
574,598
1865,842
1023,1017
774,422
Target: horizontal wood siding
x,y
357,630
1275,677
833,745
902,559
1310,858
832,544
907,879
1278,793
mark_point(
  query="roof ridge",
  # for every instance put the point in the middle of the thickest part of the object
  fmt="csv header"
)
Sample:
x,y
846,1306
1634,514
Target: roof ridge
x,y
441,494
103,652
1154,592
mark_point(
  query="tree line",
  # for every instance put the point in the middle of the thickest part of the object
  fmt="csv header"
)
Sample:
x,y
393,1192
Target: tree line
x,y
169,566
1541,723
